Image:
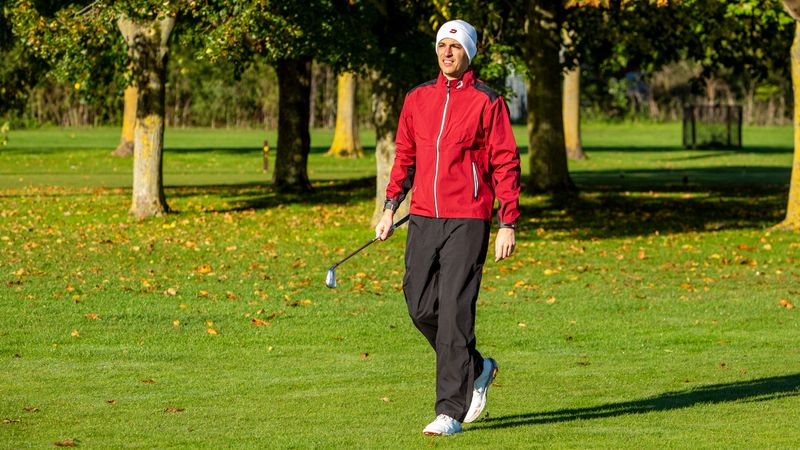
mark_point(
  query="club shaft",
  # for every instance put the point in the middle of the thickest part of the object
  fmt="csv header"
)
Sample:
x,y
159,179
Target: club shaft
x,y
371,241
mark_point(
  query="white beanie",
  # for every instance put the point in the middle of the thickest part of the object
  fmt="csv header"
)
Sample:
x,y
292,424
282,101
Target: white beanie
x,y
462,32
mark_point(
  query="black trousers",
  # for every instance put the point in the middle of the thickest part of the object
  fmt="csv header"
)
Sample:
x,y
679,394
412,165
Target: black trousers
x,y
444,265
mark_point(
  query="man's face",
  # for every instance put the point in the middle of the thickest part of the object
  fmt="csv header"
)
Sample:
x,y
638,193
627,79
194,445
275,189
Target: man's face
x,y
452,57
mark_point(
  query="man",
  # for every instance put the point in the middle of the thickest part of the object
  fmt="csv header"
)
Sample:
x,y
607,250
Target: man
x,y
456,153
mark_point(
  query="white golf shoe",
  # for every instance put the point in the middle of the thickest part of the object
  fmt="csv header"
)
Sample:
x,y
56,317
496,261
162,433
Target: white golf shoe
x,y
444,425
482,384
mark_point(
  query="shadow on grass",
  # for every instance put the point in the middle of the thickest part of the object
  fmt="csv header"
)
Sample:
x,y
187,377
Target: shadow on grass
x,y
762,149
611,212
316,150
762,389
247,196
709,179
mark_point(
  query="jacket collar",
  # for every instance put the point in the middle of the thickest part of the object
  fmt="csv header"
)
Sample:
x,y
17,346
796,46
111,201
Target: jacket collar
x,y
466,80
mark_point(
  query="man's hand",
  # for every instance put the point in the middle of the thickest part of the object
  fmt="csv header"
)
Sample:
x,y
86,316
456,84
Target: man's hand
x,y
504,243
384,228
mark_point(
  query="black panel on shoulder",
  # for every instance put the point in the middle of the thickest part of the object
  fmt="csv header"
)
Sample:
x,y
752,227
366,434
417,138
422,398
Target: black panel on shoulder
x,y
486,90
427,83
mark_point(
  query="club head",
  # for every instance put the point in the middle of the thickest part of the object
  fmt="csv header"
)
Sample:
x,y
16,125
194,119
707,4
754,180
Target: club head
x,y
330,279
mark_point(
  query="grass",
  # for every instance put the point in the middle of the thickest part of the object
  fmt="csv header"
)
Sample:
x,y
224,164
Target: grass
x,y
644,313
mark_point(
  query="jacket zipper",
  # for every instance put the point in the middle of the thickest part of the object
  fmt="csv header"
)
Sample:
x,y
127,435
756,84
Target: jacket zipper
x,y
438,140
474,181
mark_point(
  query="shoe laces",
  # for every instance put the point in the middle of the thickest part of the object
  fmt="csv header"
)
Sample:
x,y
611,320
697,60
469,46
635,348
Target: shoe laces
x,y
444,417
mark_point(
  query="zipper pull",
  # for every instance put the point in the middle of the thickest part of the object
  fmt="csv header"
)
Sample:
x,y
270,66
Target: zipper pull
x,y
448,87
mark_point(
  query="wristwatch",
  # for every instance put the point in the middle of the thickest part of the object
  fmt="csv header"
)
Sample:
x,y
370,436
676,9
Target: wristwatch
x,y
511,225
390,204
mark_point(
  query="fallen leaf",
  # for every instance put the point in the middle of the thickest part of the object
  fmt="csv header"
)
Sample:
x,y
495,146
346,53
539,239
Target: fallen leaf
x,y
66,443
93,316
183,306
111,402
550,300
522,325
174,410
212,331
364,355
786,304
205,268
176,323
386,399
230,295
30,408
9,421
171,291
148,380
75,333
209,323
260,323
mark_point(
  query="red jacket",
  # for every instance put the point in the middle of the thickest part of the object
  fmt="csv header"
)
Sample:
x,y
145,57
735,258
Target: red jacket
x,y
456,152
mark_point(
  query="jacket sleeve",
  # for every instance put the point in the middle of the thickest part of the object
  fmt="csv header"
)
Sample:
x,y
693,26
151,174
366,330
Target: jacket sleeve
x,y
401,177
504,161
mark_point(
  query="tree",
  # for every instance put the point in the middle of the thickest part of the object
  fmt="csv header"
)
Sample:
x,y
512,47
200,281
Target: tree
x,y
400,56
345,137
125,147
572,107
792,220
288,35
572,114
540,48
128,37
147,42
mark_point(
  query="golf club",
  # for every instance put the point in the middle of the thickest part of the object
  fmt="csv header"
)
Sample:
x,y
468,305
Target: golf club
x,y
330,279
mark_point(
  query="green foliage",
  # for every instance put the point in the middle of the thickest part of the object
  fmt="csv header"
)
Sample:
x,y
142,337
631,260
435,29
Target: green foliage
x,y
276,30
79,43
749,37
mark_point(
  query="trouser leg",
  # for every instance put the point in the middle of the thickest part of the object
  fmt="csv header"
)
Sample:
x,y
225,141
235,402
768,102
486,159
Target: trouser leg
x,y
421,280
444,264
458,363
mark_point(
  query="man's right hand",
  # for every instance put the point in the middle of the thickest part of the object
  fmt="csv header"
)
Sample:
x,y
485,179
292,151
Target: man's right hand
x,y
384,228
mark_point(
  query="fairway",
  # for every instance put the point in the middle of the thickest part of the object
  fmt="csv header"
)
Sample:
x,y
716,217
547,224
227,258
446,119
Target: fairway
x,y
657,309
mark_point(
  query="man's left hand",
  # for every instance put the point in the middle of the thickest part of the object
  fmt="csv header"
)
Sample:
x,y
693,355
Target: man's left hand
x,y
504,243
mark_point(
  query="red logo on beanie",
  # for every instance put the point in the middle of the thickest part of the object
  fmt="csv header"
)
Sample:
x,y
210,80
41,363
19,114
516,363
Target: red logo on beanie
x,y
453,31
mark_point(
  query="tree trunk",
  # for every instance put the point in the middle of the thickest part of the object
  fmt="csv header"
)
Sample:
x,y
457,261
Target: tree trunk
x,y
548,156
792,220
572,114
125,147
294,141
345,138
148,49
387,101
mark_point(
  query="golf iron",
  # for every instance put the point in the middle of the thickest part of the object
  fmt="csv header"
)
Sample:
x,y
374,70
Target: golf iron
x,y
330,279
